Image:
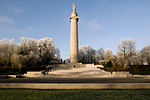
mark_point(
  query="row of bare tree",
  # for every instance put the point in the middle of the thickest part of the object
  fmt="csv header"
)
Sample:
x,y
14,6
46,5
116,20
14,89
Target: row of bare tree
x,y
29,53
126,55
33,53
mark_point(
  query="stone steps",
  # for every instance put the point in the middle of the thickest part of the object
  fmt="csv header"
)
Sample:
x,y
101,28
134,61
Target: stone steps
x,y
89,70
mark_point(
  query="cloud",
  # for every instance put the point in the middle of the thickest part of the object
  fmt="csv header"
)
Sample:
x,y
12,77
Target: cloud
x,y
5,19
93,24
18,11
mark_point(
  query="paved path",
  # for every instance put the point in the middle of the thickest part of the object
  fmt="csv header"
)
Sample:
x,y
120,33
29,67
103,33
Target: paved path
x,y
75,80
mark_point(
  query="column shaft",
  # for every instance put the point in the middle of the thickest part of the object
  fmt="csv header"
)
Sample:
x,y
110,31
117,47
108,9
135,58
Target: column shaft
x,y
74,41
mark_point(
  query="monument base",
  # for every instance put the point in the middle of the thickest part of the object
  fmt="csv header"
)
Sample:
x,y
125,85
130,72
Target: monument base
x,y
68,66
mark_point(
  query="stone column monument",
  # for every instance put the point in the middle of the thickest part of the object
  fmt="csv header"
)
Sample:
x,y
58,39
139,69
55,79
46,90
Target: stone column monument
x,y
74,36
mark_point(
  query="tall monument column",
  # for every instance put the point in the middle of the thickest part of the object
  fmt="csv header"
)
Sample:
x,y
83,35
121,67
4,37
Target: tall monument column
x,y
74,36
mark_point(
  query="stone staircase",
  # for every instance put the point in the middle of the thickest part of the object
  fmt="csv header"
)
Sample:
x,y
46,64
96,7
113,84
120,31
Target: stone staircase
x,y
80,71
86,71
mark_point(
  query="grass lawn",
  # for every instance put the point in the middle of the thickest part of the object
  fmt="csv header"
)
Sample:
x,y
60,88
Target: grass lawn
x,y
31,94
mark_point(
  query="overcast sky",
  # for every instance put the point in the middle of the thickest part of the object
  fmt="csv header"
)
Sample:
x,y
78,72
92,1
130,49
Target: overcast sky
x,y
102,23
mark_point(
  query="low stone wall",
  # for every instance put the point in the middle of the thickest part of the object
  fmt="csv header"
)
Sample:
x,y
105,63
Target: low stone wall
x,y
121,74
77,85
33,74
141,76
87,65
127,74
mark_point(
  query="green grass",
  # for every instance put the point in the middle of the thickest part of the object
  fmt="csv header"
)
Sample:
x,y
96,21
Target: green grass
x,y
31,94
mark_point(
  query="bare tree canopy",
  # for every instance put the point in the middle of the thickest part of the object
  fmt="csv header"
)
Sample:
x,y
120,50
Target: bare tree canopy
x,y
28,53
86,54
7,48
100,54
146,54
127,48
47,51
108,54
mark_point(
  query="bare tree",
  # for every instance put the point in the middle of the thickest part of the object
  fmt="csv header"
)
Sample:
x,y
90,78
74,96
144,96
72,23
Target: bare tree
x,y
86,54
47,51
27,45
136,59
127,49
99,54
145,52
121,62
7,48
108,58
16,61
108,54
57,56
28,51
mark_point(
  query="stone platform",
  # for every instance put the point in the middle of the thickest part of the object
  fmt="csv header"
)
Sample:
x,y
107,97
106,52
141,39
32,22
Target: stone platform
x,y
67,66
78,70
